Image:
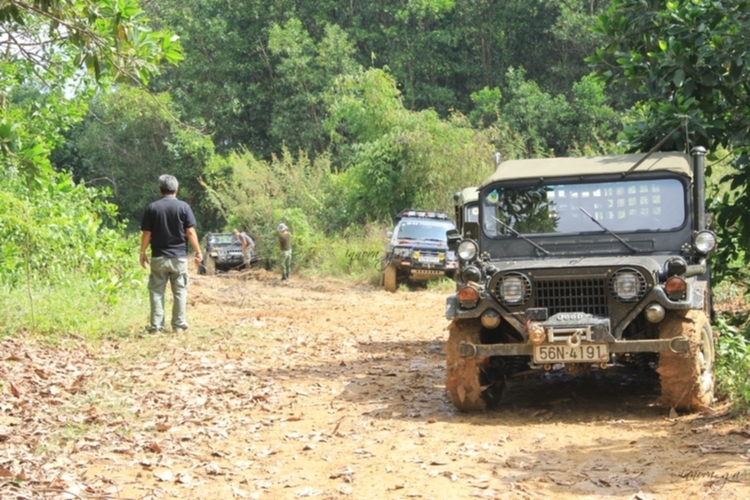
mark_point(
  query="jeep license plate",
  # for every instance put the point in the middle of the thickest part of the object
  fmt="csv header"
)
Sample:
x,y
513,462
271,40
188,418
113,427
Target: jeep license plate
x,y
584,353
429,259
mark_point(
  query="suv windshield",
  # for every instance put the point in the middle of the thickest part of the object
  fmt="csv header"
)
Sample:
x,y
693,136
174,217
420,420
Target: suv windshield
x,y
223,239
620,206
420,229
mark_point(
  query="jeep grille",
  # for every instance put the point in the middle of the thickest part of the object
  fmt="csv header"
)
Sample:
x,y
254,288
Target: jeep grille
x,y
587,295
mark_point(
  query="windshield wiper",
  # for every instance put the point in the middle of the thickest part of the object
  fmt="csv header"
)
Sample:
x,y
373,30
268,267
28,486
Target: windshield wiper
x,y
506,226
631,247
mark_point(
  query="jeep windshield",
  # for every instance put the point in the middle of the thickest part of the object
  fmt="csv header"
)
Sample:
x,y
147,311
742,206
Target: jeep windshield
x,y
621,206
417,229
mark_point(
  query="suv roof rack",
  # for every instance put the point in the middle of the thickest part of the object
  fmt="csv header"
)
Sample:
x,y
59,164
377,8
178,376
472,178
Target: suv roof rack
x,y
427,214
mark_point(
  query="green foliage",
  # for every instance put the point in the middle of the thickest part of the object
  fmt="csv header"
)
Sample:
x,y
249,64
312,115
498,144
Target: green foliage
x,y
73,308
51,43
400,158
128,139
306,70
442,285
258,71
733,363
356,254
486,107
53,39
688,58
308,241
556,125
60,236
256,195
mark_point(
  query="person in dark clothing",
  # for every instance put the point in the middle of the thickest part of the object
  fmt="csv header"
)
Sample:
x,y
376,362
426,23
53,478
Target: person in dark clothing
x,y
285,245
168,224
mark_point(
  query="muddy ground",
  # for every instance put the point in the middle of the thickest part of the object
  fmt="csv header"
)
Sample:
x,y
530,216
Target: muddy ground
x,y
326,389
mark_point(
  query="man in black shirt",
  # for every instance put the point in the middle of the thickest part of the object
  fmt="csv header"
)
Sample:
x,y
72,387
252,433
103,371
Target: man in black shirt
x,y
167,225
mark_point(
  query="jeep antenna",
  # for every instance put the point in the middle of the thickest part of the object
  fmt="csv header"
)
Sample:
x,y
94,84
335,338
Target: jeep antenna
x,y
654,149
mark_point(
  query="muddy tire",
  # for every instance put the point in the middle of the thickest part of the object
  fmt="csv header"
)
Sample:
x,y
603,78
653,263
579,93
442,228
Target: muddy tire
x,y
390,281
210,265
465,377
687,380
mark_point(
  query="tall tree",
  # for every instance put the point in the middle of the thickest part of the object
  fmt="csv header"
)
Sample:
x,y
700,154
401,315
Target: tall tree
x,y
46,45
128,139
240,86
690,58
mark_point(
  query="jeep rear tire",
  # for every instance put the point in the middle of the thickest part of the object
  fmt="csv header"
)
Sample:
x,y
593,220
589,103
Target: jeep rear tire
x,y
210,265
466,375
390,279
687,380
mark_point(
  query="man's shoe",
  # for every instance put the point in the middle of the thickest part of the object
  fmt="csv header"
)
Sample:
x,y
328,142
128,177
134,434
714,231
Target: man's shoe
x,y
154,329
179,329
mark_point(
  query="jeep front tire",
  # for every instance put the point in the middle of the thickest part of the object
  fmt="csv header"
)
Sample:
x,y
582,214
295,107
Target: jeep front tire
x,y
465,375
687,380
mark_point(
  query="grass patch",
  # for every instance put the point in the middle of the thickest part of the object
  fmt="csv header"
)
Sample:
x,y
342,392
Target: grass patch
x,y
75,309
355,256
733,364
443,285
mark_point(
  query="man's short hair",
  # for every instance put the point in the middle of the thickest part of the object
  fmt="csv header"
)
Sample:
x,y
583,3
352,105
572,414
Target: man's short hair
x,y
168,184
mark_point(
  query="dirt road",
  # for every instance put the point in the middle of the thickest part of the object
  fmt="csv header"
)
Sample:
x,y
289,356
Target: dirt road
x,y
324,389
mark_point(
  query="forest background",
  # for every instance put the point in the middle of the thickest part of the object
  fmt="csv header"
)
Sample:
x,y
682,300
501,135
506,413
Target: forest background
x,y
332,116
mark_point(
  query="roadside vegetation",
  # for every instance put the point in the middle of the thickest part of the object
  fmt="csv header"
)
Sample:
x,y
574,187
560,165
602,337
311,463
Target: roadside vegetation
x,y
331,122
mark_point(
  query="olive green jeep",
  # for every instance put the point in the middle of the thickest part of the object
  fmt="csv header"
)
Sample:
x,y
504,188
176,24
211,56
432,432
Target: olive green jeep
x,y
584,264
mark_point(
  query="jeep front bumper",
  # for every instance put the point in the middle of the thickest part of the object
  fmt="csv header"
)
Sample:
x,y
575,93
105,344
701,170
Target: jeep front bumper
x,y
677,345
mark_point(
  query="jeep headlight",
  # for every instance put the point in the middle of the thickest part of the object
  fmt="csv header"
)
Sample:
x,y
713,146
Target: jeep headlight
x,y
704,241
467,250
628,285
514,289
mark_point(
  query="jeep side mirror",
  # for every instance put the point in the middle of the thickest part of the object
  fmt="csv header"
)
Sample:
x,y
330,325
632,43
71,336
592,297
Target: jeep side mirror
x,y
454,238
389,234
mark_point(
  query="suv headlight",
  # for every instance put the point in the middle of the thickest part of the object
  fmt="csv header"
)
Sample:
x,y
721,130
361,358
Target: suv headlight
x,y
705,241
467,250
401,252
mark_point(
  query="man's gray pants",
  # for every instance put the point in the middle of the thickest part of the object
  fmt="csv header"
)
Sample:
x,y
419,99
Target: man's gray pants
x,y
174,271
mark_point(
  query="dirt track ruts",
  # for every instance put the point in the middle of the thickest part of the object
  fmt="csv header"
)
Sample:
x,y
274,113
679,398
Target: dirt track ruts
x,y
324,389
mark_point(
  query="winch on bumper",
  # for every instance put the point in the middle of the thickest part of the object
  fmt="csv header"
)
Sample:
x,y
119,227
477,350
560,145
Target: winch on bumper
x,y
572,338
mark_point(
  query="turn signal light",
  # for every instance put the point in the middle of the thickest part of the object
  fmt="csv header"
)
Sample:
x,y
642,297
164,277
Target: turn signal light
x,y
468,297
676,288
